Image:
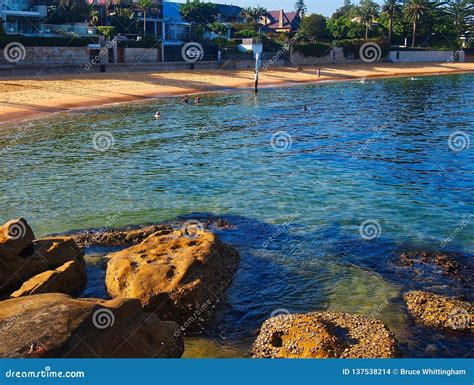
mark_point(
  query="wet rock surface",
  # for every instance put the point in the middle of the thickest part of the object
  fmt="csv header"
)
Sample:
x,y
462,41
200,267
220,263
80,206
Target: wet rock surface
x,y
117,237
439,311
181,276
324,335
447,262
57,325
69,278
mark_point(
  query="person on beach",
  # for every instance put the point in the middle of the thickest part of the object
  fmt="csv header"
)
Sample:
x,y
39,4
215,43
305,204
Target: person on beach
x,y
197,100
157,115
319,74
185,100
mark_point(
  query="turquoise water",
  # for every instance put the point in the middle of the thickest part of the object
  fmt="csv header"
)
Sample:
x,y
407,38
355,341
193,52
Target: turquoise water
x,y
295,184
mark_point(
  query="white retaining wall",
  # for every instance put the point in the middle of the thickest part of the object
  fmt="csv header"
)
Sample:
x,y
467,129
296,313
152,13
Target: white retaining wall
x,y
426,56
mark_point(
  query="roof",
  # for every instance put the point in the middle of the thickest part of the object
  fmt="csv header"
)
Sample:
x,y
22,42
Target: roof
x,y
291,20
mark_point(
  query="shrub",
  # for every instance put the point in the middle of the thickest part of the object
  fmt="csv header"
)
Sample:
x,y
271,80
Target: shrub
x,y
107,31
351,47
313,49
29,41
222,42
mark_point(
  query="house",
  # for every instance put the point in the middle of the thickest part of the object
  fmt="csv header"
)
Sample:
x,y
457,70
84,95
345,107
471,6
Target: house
x,y
26,17
280,21
22,16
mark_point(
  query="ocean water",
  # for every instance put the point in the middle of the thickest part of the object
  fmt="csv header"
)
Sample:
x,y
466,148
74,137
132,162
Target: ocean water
x,y
321,201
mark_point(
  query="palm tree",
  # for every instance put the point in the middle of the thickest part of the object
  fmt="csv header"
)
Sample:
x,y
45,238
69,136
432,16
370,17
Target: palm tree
x,y
414,10
144,5
253,14
391,8
368,11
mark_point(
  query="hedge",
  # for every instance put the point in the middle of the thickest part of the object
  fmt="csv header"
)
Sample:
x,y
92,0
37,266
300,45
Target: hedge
x,y
29,41
351,47
313,49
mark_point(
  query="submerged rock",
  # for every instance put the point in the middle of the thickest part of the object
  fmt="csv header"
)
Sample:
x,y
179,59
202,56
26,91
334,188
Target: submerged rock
x,y
117,237
438,311
180,275
324,335
446,262
57,325
68,279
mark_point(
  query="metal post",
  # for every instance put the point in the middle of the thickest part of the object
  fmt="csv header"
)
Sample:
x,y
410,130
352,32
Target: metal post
x,y
257,57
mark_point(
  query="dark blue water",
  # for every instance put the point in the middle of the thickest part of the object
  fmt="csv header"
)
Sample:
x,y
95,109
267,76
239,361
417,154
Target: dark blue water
x,y
321,201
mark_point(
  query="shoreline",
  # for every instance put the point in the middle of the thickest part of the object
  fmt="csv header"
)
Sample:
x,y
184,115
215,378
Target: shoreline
x,y
24,99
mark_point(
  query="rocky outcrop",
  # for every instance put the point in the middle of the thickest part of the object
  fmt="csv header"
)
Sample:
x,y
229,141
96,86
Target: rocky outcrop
x,y
68,279
324,335
16,237
180,275
438,311
57,325
446,262
37,257
117,237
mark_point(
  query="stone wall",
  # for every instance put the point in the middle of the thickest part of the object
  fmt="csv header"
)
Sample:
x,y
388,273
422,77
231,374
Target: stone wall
x,y
425,56
142,55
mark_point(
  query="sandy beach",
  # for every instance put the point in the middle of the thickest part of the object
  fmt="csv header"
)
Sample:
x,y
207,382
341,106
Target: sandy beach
x,y
35,97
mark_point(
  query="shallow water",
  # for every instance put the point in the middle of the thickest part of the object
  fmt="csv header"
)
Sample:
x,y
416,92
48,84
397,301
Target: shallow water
x,y
376,151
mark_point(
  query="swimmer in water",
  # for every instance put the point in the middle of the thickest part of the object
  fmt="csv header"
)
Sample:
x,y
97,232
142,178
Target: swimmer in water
x,y
197,100
305,108
157,115
185,100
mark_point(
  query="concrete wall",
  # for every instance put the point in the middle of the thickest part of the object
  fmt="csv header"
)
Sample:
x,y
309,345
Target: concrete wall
x,y
425,56
336,55
142,55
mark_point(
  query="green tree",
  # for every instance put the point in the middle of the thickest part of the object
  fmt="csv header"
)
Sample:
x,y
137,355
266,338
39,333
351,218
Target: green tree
x,y
460,17
313,26
218,28
391,8
414,11
368,11
300,7
144,6
198,13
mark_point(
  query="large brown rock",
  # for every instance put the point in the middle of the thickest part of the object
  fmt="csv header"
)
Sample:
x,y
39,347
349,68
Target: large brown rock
x,y
16,236
57,325
44,254
438,311
324,335
68,279
181,277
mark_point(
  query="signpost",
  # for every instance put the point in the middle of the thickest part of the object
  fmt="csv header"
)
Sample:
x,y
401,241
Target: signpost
x,y
257,62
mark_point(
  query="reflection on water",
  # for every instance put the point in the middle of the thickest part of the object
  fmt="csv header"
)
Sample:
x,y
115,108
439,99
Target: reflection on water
x,y
377,151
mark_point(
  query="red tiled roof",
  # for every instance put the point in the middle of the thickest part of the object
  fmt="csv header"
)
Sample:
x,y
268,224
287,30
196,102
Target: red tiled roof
x,y
288,19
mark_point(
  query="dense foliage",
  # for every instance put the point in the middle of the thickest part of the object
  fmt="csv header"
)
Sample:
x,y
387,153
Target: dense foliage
x,y
313,49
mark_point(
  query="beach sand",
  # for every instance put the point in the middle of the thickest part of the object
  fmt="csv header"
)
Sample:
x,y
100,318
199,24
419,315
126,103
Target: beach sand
x,y
36,96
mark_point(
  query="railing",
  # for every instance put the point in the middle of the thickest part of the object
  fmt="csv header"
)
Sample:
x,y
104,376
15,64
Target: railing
x,y
51,30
